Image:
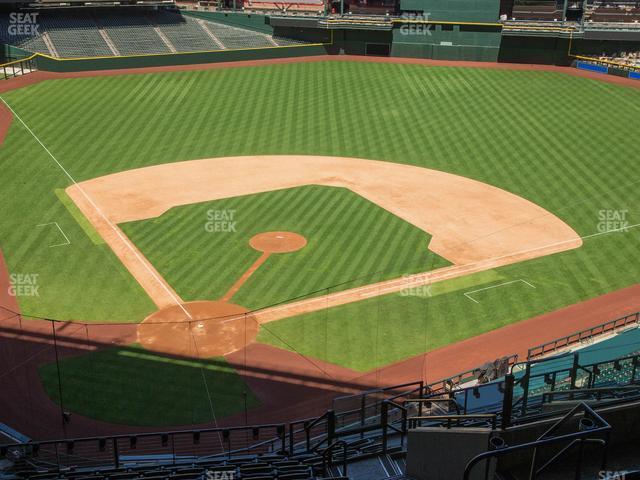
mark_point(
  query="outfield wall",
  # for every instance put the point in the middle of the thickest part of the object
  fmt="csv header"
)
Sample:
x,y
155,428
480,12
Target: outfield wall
x,y
448,42
550,50
9,53
438,33
50,64
557,50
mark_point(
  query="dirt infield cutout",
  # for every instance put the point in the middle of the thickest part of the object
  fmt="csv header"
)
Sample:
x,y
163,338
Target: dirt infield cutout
x,y
473,225
278,242
213,328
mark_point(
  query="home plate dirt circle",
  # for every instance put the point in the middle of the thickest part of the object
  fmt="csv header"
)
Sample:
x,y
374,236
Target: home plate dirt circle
x,y
216,328
278,242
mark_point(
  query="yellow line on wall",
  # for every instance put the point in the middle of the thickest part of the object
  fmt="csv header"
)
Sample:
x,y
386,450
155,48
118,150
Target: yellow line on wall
x,y
13,62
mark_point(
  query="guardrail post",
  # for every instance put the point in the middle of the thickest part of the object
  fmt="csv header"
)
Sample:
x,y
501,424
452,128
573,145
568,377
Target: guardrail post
x,y
403,427
507,401
384,421
525,388
116,455
291,439
574,371
307,434
363,415
331,426
282,432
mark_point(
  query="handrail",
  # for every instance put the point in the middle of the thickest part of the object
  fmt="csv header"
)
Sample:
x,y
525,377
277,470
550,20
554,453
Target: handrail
x,y
448,384
17,67
329,432
376,390
428,401
634,358
566,449
150,434
582,434
329,453
448,418
587,333
384,420
548,397
12,62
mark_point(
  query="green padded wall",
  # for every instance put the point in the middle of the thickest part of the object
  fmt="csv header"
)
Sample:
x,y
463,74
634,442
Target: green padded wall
x,y
9,53
107,63
448,42
532,49
455,10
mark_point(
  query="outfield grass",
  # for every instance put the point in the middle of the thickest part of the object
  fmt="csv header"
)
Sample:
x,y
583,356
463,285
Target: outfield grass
x,y
351,242
134,387
568,144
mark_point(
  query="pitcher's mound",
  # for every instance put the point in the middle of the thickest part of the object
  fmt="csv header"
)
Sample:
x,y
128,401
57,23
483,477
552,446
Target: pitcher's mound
x,y
215,329
278,242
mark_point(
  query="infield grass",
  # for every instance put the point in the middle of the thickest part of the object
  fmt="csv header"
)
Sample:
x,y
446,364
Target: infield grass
x,y
565,143
351,242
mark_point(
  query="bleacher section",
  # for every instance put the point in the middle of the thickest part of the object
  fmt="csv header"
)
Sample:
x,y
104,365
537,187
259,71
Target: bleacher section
x,y
31,43
114,33
266,468
132,34
76,36
614,13
541,11
185,33
234,38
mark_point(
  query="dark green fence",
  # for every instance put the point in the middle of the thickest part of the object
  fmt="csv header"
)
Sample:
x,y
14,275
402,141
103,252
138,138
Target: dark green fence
x,y
141,61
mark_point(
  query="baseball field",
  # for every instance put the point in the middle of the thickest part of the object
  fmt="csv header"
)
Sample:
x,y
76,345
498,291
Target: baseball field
x,y
354,214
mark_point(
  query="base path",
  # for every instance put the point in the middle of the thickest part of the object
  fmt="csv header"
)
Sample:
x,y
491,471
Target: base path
x,y
213,329
323,384
210,329
473,225
268,243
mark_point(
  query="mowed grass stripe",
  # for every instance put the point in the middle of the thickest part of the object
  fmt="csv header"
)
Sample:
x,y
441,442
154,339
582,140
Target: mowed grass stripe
x,y
344,232
521,131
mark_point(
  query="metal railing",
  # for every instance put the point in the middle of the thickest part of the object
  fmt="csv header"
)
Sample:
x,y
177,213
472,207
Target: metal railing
x,y
327,457
583,335
576,376
19,67
590,427
592,394
165,447
403,408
